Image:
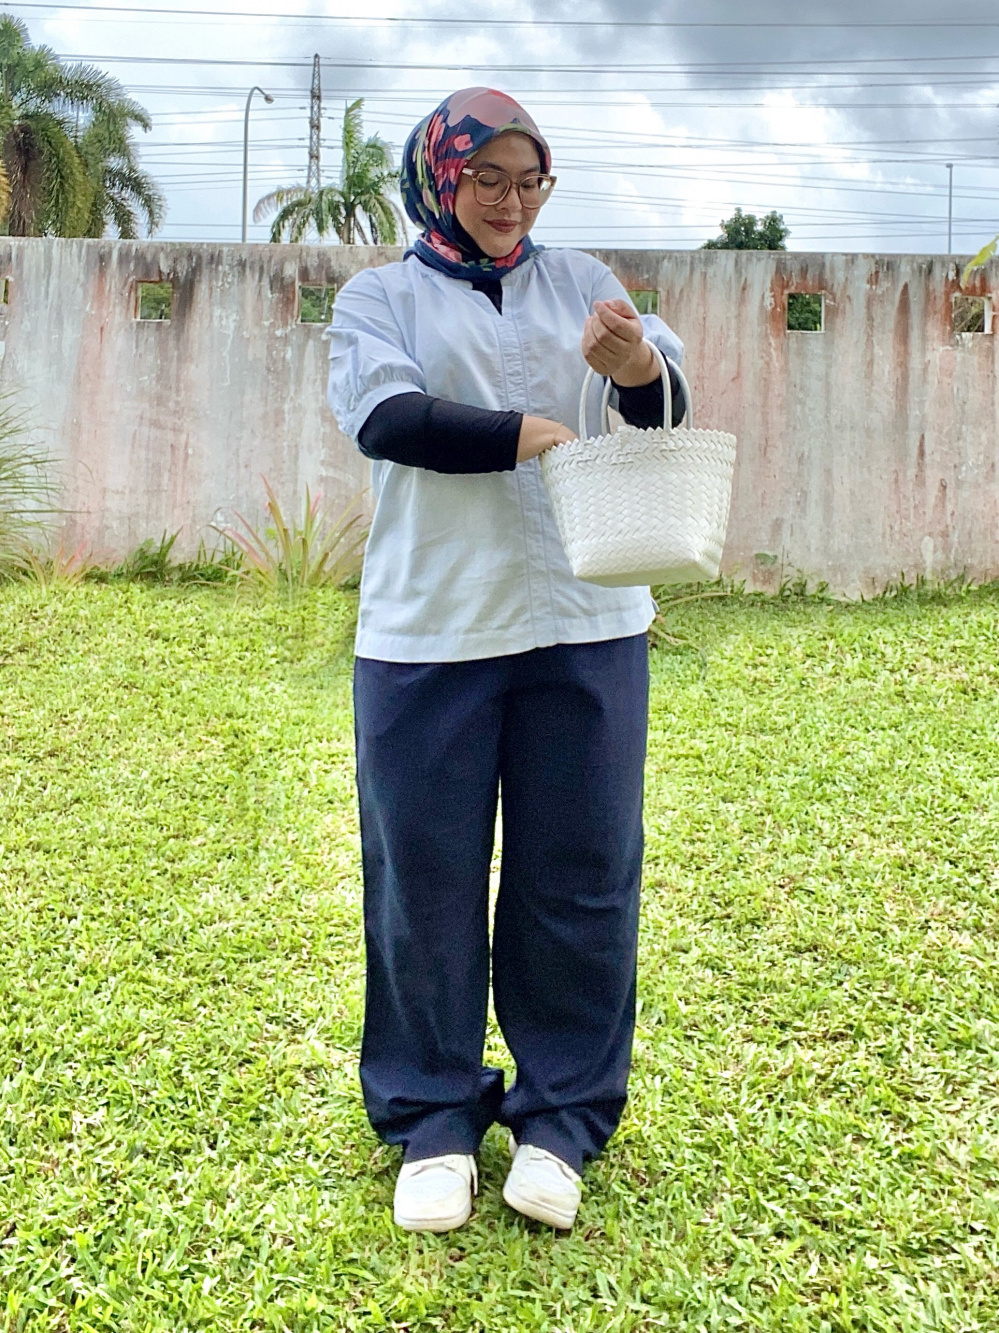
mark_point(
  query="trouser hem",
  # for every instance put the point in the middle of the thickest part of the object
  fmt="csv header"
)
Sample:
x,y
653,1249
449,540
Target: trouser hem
x,y
541,1135
451,1129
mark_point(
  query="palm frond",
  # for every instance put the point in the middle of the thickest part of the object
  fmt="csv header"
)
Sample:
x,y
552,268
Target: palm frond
x,y
65,133
293,217
67,191
14,36
121,215
127,185
86,88
277,199
301,209
361,200
352,135
384,218
328,211
373,158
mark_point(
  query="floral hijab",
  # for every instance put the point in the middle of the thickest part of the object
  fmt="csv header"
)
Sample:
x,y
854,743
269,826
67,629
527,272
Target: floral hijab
x,y
432,162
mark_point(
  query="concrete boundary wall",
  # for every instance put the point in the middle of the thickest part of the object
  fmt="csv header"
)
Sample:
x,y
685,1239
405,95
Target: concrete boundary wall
x,y
866,450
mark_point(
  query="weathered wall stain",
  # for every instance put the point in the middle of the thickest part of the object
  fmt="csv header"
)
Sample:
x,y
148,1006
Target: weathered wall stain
x,y
866,451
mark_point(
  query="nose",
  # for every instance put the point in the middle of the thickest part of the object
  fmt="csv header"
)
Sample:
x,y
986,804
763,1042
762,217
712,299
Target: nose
x,y
513,202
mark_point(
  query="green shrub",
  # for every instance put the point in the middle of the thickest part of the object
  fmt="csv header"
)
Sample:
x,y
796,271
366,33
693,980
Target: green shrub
x,y
26,491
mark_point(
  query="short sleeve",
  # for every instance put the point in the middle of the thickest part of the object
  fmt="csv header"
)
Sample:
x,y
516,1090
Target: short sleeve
x,y
607,287
368,359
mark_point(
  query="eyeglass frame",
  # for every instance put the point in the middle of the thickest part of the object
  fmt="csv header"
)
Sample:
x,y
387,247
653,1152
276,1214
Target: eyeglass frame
x,y
476,172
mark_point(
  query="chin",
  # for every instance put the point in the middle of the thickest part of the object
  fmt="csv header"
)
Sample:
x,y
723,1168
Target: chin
x,y
498,247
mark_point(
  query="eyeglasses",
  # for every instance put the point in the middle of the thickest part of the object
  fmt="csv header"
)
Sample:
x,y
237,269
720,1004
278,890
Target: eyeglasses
x,y
492,187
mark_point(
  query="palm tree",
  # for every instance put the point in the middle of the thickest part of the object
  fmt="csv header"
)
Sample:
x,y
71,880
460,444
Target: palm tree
x,y
120,189
366,176
65,151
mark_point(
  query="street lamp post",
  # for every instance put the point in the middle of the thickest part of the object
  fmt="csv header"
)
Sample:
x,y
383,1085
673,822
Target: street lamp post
x,y
246,147
950,207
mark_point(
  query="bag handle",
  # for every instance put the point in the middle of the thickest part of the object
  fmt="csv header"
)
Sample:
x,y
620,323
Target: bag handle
x,y
664,368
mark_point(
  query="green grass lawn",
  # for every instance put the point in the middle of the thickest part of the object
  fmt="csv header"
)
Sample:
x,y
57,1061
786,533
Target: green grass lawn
x,y
812,1141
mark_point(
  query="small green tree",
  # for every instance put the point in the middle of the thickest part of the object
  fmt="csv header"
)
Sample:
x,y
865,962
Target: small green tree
x,y
986,253
367,177
744,231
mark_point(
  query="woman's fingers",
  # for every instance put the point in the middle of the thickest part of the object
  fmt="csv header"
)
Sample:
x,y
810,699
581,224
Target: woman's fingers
x,y
619,318
613,330
613,336
611,339
602,361
602,335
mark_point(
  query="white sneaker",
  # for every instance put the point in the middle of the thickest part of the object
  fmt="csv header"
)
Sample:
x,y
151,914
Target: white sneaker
x,y
542,1186
435,1193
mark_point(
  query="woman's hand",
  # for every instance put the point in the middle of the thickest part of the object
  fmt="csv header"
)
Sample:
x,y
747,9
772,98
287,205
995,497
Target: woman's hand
x,y
538,434
613,344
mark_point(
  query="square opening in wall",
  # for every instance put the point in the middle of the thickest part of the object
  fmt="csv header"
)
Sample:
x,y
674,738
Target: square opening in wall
x,y
4,291
645,300
315,304
806,311
154,300
972,314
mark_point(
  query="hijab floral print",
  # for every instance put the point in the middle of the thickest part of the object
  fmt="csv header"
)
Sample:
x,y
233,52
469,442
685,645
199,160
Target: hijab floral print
x,y
435,154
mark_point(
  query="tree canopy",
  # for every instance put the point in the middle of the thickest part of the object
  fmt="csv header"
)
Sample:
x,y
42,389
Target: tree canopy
x,y
744,231
67,160
367,177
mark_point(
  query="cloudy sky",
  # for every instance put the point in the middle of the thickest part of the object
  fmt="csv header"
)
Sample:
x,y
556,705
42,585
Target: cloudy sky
x,y
663,117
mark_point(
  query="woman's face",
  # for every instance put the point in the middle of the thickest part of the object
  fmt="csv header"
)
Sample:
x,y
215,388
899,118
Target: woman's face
x,y
498,228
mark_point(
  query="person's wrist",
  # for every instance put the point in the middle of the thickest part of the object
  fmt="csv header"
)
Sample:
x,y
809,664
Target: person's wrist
x,y
538,434
639,369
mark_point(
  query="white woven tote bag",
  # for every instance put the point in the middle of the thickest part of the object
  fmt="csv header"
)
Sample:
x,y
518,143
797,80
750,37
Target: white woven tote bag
x,y
642,507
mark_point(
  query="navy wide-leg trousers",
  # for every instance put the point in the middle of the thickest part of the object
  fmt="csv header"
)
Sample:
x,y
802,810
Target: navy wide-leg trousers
x,y
561,731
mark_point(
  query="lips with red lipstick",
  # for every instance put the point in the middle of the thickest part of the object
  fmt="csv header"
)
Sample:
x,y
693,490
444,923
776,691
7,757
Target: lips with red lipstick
x,y
502,226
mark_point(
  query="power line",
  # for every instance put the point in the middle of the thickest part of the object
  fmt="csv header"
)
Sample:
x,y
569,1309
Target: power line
x,y
451,21
785,154
957,78
737,173
671,229
212,144
602,138
214,179
542,97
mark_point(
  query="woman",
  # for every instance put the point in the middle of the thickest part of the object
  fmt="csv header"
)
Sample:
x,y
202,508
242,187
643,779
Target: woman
x,y
483,663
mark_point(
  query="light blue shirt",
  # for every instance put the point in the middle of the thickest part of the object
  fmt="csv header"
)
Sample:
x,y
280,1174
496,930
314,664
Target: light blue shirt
x,y
472,566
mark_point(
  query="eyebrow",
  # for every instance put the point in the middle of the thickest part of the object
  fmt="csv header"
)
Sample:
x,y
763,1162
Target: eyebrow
x,y
495,166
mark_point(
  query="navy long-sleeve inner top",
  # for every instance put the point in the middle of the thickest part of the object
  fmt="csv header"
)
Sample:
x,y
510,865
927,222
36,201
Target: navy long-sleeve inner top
x,y
418,430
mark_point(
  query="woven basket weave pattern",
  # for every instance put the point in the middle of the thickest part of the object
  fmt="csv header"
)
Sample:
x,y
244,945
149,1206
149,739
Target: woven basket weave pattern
x,y
643,506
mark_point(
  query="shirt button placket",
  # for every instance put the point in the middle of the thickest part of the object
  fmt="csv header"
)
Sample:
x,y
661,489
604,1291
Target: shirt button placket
x,y
530,485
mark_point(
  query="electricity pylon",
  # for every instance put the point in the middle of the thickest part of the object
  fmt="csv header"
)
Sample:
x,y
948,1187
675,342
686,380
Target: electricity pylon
x,y
312,181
